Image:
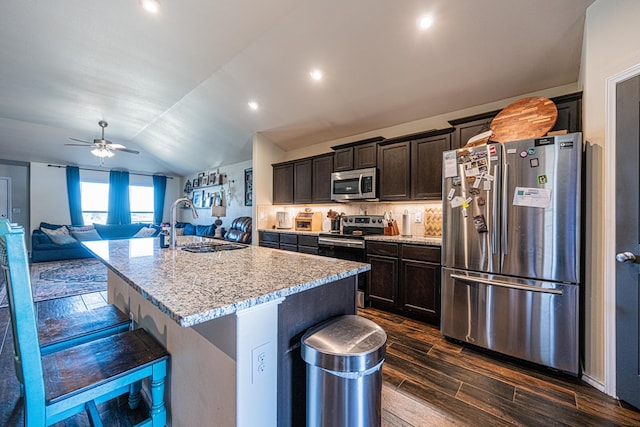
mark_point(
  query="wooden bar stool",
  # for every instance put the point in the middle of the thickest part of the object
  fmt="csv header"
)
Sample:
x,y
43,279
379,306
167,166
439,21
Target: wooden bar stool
x,y
61,384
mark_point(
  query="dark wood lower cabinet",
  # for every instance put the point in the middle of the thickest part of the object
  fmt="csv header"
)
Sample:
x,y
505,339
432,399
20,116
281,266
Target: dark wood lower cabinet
x,y
293,242
405,278
383,281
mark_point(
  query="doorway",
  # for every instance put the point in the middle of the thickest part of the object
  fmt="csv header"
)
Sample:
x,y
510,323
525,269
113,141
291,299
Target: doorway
x,y
622,375
5,197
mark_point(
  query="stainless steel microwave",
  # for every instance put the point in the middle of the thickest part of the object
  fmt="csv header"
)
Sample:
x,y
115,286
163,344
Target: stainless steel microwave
x,y
359,184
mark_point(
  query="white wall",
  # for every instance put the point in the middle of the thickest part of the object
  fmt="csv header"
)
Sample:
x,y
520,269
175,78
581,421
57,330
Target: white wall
x,y
610,47
235,203
49,202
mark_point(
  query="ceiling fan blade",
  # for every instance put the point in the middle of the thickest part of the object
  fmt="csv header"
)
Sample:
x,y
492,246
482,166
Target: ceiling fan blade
x,y
80,140
80,145
126,150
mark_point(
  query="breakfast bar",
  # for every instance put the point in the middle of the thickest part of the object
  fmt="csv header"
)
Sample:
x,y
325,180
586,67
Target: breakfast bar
x,y
231,318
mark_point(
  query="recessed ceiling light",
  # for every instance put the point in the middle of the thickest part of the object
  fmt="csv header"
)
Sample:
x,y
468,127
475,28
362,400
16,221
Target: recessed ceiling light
x,y
152,6
425,21
253,105
316,74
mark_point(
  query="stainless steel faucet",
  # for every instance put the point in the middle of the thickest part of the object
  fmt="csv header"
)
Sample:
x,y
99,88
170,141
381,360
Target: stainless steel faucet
x,y
173,217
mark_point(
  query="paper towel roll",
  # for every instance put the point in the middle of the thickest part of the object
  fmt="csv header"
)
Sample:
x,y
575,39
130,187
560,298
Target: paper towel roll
x,y
406,224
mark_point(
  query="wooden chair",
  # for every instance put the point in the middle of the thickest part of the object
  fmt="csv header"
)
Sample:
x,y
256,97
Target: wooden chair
x,y
61,384
59,333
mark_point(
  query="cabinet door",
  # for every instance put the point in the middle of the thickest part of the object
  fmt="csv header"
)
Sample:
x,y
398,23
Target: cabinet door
x,y
426,166
419,290
343,159
365,156
283,184
569,113
382,283
395,171
466,130
321,180
302,181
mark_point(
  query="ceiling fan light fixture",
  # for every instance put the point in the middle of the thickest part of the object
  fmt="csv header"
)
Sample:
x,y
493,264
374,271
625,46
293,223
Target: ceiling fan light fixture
x,y
102,152
151,6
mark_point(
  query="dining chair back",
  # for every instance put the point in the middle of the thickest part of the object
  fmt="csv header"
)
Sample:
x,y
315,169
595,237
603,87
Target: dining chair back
x,y
63,383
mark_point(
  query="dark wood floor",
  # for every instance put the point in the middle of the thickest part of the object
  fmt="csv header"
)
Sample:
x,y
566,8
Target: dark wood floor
x,y
428,381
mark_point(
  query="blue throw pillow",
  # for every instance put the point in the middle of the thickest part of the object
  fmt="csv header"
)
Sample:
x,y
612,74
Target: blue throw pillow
x,y
86,235
189,229
204,230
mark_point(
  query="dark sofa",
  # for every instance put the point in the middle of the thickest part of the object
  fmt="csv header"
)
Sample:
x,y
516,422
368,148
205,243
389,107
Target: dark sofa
x,y
43,248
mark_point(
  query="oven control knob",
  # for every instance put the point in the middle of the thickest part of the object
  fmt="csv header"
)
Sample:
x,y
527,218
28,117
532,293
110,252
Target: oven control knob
x,y
379,221
350,219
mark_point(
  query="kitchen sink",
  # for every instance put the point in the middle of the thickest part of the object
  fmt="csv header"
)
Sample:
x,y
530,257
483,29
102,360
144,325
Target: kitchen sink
x,y
211,247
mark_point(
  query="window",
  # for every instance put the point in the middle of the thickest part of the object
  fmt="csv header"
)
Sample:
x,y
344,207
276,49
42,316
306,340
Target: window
x,y
95,202
141,203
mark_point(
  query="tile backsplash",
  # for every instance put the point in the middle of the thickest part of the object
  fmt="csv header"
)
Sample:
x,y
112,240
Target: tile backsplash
x,y
429,214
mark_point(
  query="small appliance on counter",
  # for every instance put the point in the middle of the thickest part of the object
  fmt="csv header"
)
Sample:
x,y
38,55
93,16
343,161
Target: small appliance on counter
x,y
283,220
308,221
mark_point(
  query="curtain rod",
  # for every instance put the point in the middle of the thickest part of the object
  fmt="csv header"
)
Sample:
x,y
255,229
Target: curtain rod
x,y
109,170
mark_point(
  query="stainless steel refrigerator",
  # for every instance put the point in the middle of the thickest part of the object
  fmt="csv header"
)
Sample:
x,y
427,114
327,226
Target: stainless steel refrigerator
x,y
511,248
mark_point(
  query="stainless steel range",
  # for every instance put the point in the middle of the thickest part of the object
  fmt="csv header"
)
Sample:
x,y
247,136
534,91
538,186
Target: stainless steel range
x,y
349,244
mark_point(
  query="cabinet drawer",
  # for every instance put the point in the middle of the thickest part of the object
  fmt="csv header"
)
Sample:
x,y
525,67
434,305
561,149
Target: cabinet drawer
x,y
268,236
382,248
308,241
291,239
272,245
421,253
287,247
308,250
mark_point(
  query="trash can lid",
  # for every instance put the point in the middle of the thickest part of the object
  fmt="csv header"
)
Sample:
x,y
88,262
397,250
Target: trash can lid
x,y
347,343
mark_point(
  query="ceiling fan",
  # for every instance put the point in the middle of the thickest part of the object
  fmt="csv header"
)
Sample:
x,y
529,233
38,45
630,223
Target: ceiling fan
x,y
102,148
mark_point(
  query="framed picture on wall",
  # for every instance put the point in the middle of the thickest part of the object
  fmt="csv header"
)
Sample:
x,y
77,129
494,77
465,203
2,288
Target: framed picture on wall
x,y
197,198
248,187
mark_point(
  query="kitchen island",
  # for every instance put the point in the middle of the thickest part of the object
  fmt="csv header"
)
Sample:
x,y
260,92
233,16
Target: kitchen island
x,y
231,321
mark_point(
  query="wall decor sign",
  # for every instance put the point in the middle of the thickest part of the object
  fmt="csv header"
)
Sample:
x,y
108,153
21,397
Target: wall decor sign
x,y
248,187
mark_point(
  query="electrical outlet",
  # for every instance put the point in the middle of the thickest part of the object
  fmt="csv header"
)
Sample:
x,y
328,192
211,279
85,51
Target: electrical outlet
x,y
418,217
259,362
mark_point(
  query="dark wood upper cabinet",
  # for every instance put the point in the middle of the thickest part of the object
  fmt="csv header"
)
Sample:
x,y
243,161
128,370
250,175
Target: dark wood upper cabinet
x,y
569,119
321,179
302,188
283,183
365,156
395,171
343,159
356,155
426,166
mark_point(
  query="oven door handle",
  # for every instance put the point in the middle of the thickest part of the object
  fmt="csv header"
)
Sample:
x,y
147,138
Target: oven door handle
x,y
344,243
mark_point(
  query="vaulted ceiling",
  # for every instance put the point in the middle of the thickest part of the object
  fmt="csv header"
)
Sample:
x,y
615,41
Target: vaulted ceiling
x,y
175,85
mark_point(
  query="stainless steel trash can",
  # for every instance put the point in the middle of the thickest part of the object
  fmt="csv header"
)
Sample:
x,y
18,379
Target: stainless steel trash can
x,y
344,357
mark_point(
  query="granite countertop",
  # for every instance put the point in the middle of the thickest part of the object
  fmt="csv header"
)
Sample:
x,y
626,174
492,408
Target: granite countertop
x,y
418,240
192,288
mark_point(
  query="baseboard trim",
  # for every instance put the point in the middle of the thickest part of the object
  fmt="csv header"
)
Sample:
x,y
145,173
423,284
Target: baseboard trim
x,y
593,383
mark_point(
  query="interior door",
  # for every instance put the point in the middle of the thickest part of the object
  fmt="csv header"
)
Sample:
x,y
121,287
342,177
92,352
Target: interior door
x,y
5,198
627,240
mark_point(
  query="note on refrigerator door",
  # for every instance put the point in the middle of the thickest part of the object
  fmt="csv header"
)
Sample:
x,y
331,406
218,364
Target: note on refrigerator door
x,y
450,165
532,197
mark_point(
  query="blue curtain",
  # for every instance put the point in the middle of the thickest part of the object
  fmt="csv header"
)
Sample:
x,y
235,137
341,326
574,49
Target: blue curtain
x,y
159,188
119,208
74,195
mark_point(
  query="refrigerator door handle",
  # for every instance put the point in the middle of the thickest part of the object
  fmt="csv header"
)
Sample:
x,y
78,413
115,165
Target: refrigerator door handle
x,y
505,210
507,284
494,208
